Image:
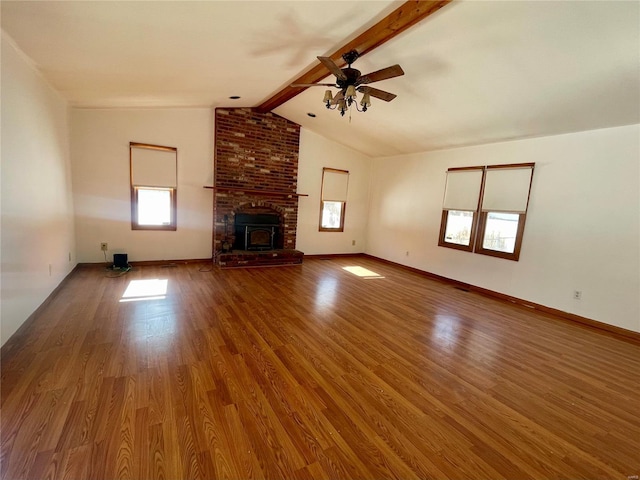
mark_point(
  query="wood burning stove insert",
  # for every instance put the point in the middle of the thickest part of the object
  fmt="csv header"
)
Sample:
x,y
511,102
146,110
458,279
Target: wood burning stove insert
x,y
256,231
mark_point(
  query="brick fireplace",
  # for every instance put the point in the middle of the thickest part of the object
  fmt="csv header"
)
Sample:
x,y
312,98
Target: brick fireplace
x,y
256,170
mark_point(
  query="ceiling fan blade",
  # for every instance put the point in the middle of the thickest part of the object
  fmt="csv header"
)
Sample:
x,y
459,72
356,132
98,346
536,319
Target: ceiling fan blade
x,y
384,74
312,85
381,94
332,67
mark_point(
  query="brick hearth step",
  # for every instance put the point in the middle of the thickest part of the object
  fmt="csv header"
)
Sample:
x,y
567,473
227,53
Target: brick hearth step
x,y
265,258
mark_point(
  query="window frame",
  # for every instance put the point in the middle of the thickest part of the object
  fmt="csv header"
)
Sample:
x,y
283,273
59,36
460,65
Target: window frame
x,y
172,226
479,222
482,224
343,207
173,190
443,229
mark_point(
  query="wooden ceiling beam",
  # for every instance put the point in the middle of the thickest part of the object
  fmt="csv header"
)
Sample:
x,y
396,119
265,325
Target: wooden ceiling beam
x,y
402,18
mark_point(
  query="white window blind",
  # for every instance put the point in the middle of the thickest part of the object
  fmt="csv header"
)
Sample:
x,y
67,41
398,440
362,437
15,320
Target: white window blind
x,y
462,191
151,167
507,189
335,184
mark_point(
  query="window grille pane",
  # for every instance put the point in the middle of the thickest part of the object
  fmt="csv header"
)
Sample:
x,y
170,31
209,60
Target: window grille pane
x,y
154,207
331,212
500,232
459,225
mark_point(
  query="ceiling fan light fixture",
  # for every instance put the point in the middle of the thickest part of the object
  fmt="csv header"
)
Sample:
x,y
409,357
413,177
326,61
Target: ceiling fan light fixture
x,y
349,81
365,102
342,106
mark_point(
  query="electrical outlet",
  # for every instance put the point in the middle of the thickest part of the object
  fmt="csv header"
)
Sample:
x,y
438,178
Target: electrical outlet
x,y
577,295
353,242
104,246
407,254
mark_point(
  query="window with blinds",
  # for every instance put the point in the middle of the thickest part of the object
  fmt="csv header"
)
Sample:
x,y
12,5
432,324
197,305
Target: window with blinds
x,y
154,183
460,205
334,190
484,209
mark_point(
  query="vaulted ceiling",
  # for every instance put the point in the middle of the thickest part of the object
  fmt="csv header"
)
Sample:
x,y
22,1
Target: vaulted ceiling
x,y
475,71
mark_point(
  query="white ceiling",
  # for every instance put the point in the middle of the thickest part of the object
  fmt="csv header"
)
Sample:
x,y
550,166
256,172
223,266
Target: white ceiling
x,y
475,71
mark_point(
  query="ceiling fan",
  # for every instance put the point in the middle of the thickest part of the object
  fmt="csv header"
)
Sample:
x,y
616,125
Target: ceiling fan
x,y
349,81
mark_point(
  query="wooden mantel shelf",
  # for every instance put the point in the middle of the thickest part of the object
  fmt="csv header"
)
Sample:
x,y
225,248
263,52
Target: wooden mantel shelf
x,y
270,193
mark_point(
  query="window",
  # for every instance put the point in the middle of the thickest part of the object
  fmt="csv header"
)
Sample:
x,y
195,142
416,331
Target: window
x,y
153,171
461,201
495,225
334,199
459,225
154,206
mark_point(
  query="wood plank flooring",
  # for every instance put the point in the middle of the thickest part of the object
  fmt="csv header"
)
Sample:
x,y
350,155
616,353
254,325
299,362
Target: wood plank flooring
x,y
310,372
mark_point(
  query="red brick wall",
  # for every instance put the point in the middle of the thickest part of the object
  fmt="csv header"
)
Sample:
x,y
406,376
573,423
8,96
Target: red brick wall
x,y
256,169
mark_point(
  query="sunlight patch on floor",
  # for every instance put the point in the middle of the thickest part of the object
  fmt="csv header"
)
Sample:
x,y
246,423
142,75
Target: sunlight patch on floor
x,y
139,290
362,272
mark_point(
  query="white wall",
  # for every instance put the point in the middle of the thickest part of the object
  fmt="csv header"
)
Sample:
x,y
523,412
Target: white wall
x,y
582,230
100,161
317,152
37,242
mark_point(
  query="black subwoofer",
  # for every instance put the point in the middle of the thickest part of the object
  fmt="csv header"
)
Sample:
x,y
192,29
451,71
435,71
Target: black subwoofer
x,y
120,260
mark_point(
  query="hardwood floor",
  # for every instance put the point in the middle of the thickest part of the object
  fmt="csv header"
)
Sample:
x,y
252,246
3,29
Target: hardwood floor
x,y
310,372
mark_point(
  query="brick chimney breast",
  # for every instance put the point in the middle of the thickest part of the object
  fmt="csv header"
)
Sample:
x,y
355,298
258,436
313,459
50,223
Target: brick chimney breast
x,y
256,168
